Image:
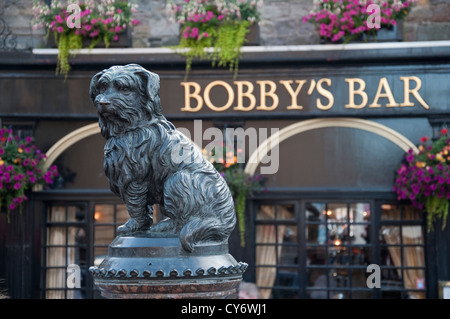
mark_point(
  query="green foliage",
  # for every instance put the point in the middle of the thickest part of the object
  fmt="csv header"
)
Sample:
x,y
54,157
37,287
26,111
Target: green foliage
x,y
66,42
437,208
241,184
222,46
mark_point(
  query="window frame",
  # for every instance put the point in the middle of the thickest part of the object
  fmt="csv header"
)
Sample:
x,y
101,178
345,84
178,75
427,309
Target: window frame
x,y
375,199
66,199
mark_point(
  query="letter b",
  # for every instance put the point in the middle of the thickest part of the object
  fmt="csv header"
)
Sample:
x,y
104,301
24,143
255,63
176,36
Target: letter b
x,y
374,279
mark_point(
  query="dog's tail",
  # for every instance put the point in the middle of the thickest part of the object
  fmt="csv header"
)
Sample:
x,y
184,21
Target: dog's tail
x,y
204,203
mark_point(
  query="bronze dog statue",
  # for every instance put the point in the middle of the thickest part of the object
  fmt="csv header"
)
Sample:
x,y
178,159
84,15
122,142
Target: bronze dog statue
x,y
147,161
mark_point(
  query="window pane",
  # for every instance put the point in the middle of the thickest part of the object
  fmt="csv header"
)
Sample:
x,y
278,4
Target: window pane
x,y
390,212
316,233
337,213
359,279
316,256
359,212
265,280
265,234
338,256
317,278
358,234
390,235
412,235
99,254
104,214
285,212
337,233
287,233
360,255
56,257
104,235
287,283
411,213
315,212
56,278
266,212
122,214
288,255
57,214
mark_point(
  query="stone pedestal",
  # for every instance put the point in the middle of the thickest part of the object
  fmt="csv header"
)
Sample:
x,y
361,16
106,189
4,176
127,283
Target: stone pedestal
x,y
142,267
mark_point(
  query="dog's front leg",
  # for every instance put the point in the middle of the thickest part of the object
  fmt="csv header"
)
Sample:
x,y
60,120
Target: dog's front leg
x,y
141,213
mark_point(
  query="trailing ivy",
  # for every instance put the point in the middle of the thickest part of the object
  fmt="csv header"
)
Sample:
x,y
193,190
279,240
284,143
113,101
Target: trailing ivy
x,y
437,208
67,44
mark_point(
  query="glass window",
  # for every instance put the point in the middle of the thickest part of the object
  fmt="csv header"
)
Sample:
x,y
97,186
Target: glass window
x,y
67,242
107,217
276,249
65,245
402,252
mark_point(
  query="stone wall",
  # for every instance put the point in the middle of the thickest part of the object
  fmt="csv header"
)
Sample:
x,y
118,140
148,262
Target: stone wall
x,y
282,23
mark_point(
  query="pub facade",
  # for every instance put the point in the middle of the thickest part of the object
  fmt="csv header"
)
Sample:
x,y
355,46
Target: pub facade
x,y
326,125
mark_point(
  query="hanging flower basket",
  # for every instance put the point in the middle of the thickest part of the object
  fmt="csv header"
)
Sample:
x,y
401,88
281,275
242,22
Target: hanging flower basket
x,y
225,160
424,178
344,21
214,29
21,168
101,24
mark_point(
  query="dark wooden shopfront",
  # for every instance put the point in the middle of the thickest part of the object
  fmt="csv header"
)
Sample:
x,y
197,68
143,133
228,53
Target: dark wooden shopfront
x,y
343,116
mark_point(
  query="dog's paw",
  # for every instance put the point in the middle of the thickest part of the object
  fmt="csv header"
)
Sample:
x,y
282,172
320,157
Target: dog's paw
x,y
164,226
130,227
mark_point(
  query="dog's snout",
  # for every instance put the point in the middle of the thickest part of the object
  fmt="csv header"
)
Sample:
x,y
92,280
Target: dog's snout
x,y
103,100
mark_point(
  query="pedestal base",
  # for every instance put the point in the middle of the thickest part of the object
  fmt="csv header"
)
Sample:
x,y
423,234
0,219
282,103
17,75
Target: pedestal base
x,y
147,267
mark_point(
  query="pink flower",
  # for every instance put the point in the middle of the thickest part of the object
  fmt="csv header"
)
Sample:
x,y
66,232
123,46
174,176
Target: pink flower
x,y
60,29
59,19
194,32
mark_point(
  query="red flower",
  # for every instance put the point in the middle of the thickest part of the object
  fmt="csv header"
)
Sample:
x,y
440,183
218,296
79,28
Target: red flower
x,y
444,131
424,139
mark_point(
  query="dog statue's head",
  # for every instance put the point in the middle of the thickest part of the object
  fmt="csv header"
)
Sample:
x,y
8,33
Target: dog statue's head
x,y
125,96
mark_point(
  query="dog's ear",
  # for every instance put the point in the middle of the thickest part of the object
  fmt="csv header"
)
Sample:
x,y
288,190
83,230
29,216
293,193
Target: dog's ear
x,y
93,91
151,84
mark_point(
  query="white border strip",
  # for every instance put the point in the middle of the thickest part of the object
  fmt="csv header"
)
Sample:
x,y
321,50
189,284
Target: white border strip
x,y
258,49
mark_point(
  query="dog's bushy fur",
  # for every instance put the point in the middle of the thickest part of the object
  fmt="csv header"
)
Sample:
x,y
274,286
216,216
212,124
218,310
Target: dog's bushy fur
x,y
142,162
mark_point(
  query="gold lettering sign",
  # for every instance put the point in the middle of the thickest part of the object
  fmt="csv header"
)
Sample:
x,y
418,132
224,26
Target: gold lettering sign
x,y
241,95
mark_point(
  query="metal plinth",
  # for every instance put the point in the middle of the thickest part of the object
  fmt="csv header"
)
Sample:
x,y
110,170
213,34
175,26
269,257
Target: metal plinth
x,y
151,267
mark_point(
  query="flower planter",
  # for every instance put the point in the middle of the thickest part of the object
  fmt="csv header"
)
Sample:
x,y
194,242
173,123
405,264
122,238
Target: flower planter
x,y
125,41
343,19
252,37
388,34
385,34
